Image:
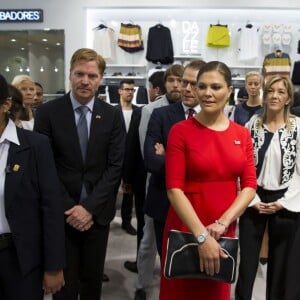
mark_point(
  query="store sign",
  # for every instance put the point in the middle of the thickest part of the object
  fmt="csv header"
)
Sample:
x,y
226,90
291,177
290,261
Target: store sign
x,y
190,42
21,15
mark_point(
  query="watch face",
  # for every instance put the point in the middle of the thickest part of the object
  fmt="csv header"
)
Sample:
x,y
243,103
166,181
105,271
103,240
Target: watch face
x,y
201,238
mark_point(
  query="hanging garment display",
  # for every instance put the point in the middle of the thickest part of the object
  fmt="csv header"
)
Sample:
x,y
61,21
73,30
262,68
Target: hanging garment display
x,y
276,63
159,45
130,38
248,43
104,42
296,73
218,36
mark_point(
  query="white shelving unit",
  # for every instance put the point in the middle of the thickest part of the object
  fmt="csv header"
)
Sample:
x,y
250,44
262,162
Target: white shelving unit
x,y
117,72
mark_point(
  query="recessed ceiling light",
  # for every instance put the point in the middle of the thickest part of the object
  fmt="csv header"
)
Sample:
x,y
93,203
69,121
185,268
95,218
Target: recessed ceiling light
x,y
13,40
22,48
44,40
57,44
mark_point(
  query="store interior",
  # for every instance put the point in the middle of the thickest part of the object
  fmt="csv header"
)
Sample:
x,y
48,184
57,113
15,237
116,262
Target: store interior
x,y
49,60
189,38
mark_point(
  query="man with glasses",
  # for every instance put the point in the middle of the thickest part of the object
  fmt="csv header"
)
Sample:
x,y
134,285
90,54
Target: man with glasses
x,y
126,92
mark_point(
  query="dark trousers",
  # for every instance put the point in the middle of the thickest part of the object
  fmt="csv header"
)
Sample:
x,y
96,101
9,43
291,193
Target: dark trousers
x,y
126,208
281,228
85,252
293,272
159,233
15,286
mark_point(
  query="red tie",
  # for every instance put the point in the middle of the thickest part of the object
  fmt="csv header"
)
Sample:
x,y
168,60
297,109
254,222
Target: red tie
x,y
191,113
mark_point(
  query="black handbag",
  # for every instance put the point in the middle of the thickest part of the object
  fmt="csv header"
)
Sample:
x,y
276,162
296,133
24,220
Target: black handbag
x,y
182,258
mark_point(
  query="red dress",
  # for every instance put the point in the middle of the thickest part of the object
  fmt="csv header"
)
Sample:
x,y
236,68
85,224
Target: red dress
x,y
206,165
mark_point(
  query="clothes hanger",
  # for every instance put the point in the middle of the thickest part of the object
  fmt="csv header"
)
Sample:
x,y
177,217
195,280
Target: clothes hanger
x,y
248,24
218,24
159,24
100,26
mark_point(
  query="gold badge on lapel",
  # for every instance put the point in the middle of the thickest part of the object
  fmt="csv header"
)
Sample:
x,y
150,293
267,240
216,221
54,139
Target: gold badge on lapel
x,y
16,168
98,117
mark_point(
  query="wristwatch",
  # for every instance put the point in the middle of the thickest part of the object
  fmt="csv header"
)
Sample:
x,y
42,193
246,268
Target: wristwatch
x,y
202,237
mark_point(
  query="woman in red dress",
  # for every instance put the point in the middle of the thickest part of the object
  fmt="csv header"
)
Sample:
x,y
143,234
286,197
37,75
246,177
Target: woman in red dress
x,y
206,158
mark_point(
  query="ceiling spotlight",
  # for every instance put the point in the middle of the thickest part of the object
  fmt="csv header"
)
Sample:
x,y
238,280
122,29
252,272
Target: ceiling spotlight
x,y
42,69
56,69
22,48
58,44
44,40
28,69
21,69
13,40
7,69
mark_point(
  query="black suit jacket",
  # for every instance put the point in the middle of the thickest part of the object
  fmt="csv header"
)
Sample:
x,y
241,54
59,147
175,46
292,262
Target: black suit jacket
x,y
101,171
134,107
33,203
133,169
160,123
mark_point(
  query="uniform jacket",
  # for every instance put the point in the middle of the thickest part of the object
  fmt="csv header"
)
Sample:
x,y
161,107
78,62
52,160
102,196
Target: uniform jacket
x,y
33,203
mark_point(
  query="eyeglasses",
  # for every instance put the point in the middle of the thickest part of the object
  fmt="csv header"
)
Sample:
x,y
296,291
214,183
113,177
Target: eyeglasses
x,y
128,90
185,83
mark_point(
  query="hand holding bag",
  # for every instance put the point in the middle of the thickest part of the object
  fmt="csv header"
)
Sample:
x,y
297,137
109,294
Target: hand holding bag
x,y
182,258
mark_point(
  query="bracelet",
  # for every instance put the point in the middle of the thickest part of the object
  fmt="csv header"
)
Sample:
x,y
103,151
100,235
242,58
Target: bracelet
x,y
220,223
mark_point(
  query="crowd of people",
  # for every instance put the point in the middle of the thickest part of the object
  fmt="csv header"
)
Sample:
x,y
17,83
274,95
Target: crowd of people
x,y
184,160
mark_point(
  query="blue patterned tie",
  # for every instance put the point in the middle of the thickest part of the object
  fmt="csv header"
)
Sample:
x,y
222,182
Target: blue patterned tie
x,y
82,129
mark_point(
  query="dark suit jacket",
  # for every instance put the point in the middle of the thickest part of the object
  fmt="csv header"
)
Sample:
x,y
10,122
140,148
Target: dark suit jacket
x,y
134,107
133,169
160,123
33,203
101,171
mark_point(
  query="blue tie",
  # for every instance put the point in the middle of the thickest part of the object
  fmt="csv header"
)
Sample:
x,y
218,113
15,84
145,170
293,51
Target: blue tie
x,y
82,129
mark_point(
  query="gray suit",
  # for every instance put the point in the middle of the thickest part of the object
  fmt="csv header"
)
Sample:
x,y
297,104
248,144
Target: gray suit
x,y
146,114
147,249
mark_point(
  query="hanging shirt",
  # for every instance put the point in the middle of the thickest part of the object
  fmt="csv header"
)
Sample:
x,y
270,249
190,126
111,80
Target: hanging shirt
x,y
104,43
276,63
248,43
159,45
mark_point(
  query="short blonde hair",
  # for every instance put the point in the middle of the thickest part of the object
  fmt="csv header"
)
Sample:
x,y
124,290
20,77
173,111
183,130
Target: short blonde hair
x,y
87,54
253,73
18,79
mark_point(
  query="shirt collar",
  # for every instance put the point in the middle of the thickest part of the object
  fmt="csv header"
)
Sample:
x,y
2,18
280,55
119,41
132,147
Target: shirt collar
x,y
76,104
197,108
10,133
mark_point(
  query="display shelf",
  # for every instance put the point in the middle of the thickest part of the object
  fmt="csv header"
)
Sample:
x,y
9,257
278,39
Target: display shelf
x,y
123,77
245,67
125,66
238,79
187,57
